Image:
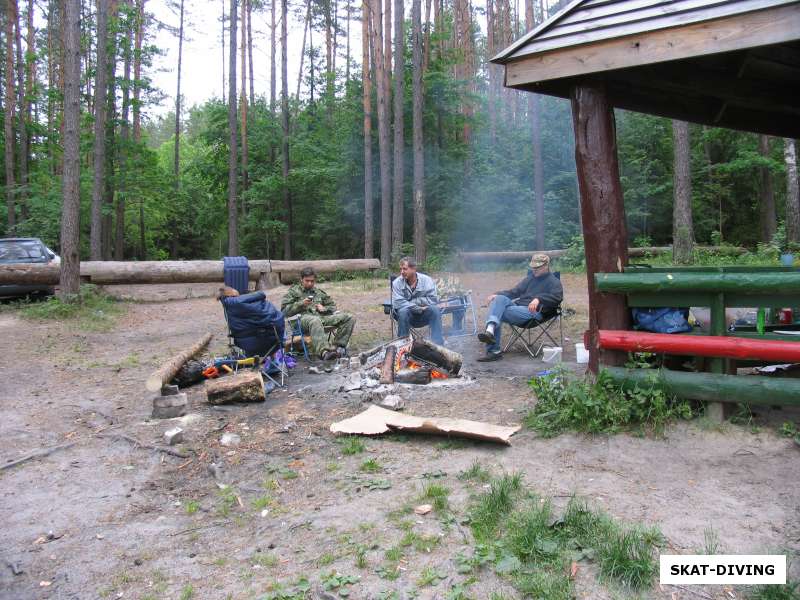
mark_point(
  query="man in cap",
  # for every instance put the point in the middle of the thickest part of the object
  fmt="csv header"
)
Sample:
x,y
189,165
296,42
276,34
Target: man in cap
x,y
535,297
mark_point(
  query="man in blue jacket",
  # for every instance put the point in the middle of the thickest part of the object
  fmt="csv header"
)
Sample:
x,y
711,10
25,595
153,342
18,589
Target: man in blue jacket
x,y
253,321
535,297
415,302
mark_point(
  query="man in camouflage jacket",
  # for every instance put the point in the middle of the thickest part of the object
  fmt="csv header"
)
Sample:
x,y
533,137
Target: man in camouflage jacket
x,y
317,311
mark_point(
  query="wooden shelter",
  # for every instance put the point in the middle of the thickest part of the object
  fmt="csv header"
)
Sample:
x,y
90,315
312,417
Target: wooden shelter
x,y
724,63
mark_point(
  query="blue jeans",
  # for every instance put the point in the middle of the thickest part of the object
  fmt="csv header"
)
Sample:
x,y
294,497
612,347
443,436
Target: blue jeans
x,y
430,316
503,310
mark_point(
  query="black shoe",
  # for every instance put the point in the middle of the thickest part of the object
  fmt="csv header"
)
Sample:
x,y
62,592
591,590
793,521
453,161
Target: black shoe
x,y
491,357
330,355
487,337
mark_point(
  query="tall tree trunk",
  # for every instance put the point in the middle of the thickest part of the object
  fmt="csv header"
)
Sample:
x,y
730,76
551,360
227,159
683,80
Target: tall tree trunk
x,y
51,85
303,50
383,134
233,142
69,279
536,140
272,52
326,7
100,102
347,47
492,69
792,191
243,98
420,246
366,76
387,50
767,204
177,165
287,201
22,157
399,144
8,124
682,228
426,55
25,113
250,50
119,222
224,79
110,149
137,122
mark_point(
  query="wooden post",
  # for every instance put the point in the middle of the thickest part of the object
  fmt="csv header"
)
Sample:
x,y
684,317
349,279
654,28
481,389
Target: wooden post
x,y
602,211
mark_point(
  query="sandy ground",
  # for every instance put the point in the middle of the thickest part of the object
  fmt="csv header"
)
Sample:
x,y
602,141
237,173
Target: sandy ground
x,y
103,518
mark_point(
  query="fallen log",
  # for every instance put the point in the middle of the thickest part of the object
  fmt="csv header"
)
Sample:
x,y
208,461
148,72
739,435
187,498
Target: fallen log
x,y
427,352
36,454
168,370
418,376
520,255
387,371
241,387
170,271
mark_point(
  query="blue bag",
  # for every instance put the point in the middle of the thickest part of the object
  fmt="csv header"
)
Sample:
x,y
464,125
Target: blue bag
x,y
661,320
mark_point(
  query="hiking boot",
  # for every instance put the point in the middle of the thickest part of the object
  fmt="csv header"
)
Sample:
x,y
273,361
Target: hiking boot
x,y
487,337
491,357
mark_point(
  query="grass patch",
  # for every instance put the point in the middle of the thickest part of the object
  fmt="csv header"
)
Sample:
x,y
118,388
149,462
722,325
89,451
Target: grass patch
x,y
265,559
90,309
476,472
789,591
352,445
430,576
187,593
566,403
262,502
192,506
370,466
437,495
520,535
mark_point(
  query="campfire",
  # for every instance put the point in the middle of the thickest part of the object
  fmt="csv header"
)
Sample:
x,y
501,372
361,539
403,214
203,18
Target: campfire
x,y
409,360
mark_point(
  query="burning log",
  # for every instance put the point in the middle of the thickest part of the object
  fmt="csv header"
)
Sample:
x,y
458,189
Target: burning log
x,y
427,352
419,376
387,371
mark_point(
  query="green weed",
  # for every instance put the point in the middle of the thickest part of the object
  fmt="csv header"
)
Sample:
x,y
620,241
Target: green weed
x,y
370,466
437,494
352,445
187,592
476,472
90,310
430,576
265,559
492,506
262,502
192,506
789,591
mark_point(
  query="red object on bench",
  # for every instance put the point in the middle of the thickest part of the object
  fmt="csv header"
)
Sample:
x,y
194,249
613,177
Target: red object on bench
x,y
700,345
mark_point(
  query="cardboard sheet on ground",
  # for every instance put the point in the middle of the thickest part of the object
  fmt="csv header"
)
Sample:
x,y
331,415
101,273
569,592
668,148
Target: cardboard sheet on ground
x,y
376,420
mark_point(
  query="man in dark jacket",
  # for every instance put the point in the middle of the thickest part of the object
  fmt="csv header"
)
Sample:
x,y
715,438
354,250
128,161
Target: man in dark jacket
x,y
255,324
535,297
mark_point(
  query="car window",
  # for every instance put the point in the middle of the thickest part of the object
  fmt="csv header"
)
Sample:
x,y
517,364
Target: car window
x,y
13,250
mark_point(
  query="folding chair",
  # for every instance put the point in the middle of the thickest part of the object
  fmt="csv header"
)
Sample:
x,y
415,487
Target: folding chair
x,y
530,333
461,303
414,332
296,331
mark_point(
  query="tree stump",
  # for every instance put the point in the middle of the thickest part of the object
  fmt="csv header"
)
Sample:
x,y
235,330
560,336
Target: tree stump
x,y
242,387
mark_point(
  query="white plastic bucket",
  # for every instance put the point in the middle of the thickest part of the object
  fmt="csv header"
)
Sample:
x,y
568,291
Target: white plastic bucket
x,y
581,354
551,354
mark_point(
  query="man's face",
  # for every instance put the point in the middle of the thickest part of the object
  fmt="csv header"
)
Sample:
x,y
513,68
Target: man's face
x,y
407,271
540,270
308,282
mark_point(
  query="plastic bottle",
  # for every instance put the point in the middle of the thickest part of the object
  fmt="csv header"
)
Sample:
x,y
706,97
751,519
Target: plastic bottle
x,y
761,319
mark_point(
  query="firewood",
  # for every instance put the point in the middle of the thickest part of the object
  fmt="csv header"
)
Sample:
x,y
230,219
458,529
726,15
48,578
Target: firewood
x,y
167,371
420,376
428,352
242,387
387,372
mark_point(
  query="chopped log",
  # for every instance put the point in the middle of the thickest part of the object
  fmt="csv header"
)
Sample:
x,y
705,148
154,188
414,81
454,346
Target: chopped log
x,y
170,368
170,271
428,352
387,371
242,387
419,376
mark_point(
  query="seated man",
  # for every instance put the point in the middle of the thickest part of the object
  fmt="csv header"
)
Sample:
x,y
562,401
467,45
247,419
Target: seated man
x,y
414,301
317,311
535,297
253,321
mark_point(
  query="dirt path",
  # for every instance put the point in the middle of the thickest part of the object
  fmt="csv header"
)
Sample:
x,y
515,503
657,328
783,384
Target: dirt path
x,y
105,519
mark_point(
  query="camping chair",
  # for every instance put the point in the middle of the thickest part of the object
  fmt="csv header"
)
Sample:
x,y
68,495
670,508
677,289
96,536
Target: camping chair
x,y
534,334
414,332
271,365
296,331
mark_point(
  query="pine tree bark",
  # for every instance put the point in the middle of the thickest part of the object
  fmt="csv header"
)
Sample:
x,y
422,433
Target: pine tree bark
x,y
137,121
119,221
69,279
177,163
682,227
792,191
399,144
303,49
326,6
426,53
420,244
25,113
287,200
348,18
243,99
534,109
383,133
272,53
110,132
99,154
767,194
22,136
366,76
224,79
233,142
250,50
8,124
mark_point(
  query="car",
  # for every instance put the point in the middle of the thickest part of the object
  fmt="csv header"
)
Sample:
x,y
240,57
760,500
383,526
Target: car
x,y
25,250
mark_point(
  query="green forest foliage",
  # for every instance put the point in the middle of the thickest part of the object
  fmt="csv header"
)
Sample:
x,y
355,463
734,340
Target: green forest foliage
x,y
479,193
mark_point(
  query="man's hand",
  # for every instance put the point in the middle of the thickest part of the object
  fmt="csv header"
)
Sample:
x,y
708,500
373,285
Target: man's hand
x,y
321,308
492,297
307,301
534,305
